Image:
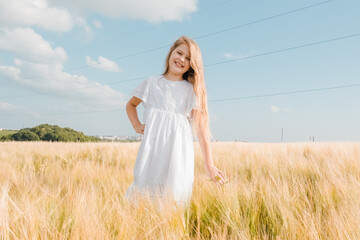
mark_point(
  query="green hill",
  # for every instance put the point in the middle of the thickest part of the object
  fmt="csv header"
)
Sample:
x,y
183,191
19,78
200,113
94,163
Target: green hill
x,y
6,132
46,132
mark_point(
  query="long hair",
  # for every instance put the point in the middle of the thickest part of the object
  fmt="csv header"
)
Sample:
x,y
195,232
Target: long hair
x,y
195,76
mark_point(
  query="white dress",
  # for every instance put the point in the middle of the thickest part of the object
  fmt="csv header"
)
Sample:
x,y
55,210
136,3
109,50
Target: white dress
x,y
165,160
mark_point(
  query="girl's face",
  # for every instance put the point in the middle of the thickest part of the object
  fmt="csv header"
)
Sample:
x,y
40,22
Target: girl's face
x,y
179,61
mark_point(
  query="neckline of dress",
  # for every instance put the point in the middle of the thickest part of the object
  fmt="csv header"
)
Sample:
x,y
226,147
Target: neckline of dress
x,y
172,80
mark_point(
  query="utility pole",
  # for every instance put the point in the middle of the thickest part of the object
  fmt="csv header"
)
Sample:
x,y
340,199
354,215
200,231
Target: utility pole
x,y
282,134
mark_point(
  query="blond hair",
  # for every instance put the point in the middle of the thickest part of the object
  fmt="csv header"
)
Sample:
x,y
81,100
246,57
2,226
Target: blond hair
x,y
195,76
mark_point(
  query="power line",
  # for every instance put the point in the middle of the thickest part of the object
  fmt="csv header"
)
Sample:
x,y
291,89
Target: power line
x,y
208,65
263,19
285,49
215,100
285,93
199,37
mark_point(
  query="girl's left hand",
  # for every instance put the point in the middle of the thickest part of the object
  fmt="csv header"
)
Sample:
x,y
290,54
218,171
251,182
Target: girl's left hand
x,y
215,174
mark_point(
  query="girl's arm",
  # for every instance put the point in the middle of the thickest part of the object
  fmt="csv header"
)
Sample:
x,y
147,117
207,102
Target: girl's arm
x,y
133,116
212,171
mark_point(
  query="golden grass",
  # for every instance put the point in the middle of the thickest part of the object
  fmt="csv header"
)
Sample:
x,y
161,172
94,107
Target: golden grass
x,y
276,191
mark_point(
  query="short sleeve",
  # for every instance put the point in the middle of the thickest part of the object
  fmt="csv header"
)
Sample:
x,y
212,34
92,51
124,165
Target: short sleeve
x,y
192,102
142,91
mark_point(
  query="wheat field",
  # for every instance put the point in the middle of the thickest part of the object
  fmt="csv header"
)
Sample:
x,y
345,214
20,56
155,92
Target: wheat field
x,y
275,191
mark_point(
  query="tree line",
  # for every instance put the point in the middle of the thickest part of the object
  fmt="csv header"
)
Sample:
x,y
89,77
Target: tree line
x,y
50,133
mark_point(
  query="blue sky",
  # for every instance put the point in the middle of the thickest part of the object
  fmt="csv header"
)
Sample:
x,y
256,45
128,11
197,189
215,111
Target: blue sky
x,y
75,63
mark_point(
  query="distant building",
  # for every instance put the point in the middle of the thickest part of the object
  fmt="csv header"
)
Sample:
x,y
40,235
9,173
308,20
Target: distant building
x,y
5,129
120,138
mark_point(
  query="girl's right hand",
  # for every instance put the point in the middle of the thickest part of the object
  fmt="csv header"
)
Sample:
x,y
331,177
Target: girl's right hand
x,y
140,128
215,174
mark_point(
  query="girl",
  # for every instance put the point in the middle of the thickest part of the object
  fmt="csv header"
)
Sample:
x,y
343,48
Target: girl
x,y
175,103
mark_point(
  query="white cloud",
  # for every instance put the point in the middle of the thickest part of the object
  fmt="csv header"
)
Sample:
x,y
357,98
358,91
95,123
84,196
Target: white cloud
x,y
6,106
97,24
25,13
34,13
26,43
152,11
50,78
87,33
10,71
213,117
277,109
232,56
103,64
228,55
40,68
63,15
274,109
18,110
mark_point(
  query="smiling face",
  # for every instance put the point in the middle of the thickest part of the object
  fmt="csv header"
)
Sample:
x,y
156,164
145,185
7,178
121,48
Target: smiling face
x,y
179,61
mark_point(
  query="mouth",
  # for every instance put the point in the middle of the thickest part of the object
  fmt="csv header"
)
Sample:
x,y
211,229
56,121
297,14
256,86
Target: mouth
x,y
179,65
